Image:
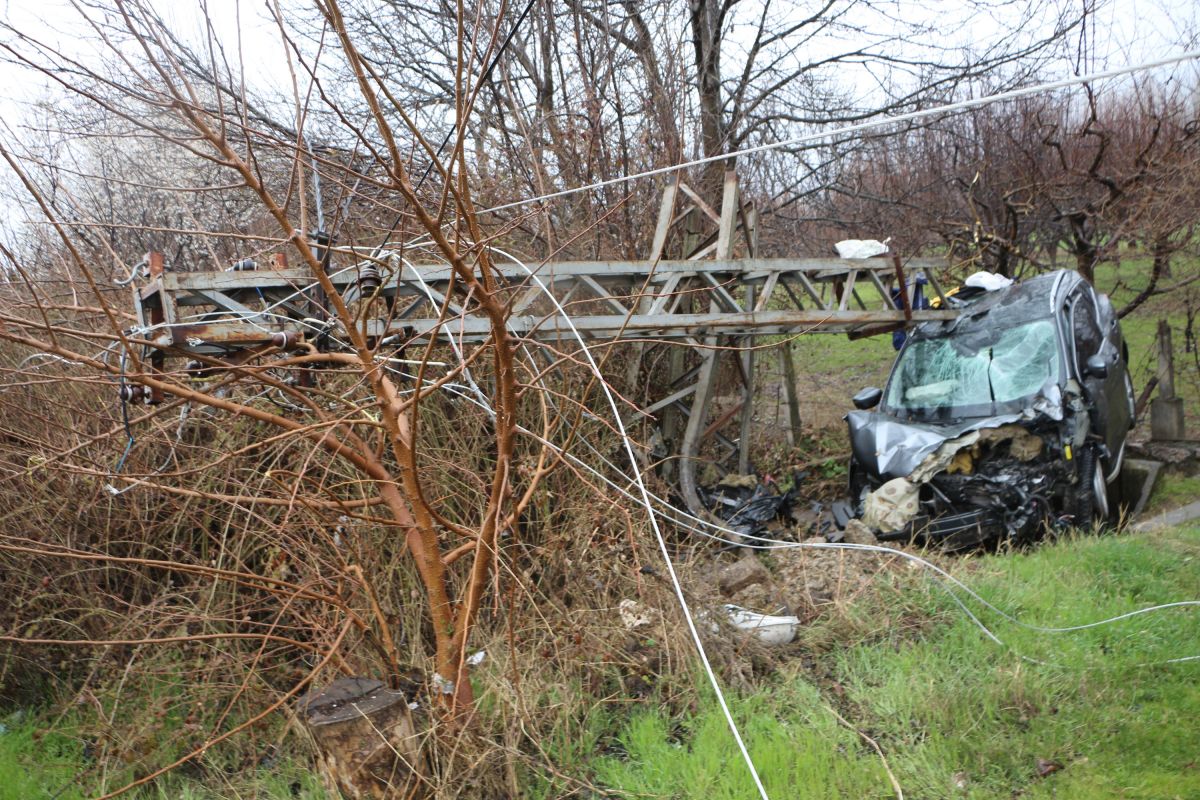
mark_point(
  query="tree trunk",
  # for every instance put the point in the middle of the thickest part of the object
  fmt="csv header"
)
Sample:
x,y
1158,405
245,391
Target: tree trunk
x,y
706,22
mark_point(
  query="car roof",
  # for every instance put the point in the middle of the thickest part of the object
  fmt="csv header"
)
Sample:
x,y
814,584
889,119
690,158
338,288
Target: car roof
x,y
1037,297
1049,289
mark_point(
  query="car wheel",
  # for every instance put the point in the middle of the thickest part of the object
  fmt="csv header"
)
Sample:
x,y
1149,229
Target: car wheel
x,y
1091,492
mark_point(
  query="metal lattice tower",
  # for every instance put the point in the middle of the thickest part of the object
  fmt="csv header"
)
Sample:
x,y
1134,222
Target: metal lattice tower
x,y
714,304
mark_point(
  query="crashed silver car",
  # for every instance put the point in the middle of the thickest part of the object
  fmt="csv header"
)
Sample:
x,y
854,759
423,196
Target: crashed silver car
x,y
1008,418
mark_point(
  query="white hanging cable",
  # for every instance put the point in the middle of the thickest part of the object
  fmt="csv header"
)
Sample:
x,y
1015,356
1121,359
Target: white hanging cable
x,y
662,543
949,108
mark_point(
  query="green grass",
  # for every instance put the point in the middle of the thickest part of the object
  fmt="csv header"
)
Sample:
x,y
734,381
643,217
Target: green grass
x,y
34,764
1172,491
793,740
856,360
42,759
946,704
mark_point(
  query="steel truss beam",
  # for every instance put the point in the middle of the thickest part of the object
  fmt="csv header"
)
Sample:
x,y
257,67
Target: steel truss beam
x,y
213,313
716,306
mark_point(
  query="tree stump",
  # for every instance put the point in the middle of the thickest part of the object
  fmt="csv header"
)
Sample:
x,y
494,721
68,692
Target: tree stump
x,y
369,746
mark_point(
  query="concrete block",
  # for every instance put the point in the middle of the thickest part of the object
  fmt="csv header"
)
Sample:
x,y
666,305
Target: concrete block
x,y
1166,419
1134,485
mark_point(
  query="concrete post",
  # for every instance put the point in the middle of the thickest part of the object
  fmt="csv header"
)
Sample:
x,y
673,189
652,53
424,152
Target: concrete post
x,y
1166,410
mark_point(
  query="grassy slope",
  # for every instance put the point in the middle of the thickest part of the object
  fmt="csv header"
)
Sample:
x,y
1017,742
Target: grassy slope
x,y
950,707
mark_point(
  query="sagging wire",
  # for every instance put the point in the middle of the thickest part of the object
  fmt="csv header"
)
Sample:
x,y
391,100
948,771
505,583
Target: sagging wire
x,y
691,524
676,584
727,536
949,108
139,269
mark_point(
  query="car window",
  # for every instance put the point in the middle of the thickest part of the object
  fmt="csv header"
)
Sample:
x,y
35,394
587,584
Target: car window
x,y
1083,325
971,371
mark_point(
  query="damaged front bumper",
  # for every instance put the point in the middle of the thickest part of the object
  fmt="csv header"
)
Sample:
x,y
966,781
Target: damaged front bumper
x,y
989,484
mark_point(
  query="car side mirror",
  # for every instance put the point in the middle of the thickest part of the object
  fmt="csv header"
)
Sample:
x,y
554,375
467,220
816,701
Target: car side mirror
x,y
1096,367
868,398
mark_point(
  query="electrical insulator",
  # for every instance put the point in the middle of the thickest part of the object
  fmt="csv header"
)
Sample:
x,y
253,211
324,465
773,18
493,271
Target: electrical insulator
x,y
368,279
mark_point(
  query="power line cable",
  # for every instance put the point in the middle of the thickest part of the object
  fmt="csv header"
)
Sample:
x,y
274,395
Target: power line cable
x,y
949,108
676,584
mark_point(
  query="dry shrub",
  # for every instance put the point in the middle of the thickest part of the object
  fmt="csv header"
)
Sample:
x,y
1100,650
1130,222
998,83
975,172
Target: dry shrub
x,y
189,617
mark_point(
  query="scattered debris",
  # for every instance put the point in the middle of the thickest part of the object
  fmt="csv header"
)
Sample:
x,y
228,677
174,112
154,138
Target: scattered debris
x,y
746,571
1047,767
988,281
746,503
857,532
890,507
769,629
635,615
861,248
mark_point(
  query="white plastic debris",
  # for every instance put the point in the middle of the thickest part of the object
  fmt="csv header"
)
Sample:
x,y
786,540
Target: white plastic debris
x,y
861,248
989,281
441,685
634,615
769,629
475,659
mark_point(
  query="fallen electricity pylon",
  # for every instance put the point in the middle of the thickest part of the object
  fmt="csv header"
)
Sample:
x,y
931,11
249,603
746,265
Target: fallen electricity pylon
x,y
710,302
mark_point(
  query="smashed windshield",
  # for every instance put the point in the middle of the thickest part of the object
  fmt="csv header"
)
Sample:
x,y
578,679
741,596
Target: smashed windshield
x,y
971,371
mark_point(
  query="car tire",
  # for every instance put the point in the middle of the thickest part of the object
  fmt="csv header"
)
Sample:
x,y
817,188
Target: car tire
x,y
1091,491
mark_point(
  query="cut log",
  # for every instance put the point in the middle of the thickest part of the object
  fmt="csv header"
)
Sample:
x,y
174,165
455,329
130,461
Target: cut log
x,y
369,745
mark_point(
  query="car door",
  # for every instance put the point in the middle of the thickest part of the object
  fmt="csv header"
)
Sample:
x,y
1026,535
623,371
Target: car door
x,y
1110,411
1118,386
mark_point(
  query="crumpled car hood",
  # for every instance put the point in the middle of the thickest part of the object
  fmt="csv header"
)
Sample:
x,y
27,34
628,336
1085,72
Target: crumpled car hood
x,y
891,448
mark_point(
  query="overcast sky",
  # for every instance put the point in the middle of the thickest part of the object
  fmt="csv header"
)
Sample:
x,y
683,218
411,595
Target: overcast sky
x,y
1125,31
1122,32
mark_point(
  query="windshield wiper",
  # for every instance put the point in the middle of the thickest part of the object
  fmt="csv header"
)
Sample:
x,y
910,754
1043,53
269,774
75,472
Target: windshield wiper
x,y
991,389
